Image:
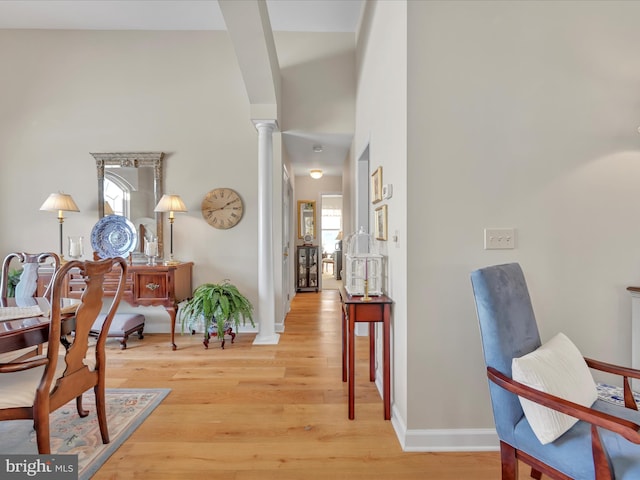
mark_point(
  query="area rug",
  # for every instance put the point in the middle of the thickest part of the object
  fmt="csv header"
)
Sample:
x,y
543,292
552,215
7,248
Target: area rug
x,y
72,435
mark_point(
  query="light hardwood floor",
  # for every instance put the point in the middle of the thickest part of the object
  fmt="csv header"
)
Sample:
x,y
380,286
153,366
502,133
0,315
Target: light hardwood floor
x,y
268,412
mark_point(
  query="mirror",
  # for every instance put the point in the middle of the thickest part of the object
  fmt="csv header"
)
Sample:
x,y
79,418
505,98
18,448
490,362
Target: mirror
x,y
306,218
130,184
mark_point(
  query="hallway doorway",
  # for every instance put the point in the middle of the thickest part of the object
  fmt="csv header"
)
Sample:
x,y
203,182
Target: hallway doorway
x,y
330,243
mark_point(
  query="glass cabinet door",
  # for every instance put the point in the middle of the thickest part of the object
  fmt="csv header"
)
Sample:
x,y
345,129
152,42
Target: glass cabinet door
x,y
307,268
313,266
302,268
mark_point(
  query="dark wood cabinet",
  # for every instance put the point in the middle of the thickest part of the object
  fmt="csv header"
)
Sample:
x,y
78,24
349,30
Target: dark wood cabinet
x,y
337,264
307,269
147,285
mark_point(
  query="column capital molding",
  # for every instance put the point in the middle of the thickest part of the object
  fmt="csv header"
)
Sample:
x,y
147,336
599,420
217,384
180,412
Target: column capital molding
x,y
259,123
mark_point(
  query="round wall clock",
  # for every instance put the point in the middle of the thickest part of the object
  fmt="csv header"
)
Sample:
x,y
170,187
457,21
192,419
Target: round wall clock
x,y
222,208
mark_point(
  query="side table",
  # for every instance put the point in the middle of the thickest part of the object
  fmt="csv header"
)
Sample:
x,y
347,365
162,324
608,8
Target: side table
x,y
146,285
354,309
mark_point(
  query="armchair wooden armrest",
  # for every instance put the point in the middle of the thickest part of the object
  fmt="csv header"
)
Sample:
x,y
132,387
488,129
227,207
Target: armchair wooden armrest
x,y
625,428
624,372
20,366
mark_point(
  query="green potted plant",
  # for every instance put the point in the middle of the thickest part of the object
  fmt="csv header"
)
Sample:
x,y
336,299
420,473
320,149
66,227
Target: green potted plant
x,y
219,306
12,281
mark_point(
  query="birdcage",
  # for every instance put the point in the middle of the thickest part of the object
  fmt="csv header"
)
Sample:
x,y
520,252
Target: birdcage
x,y
364,265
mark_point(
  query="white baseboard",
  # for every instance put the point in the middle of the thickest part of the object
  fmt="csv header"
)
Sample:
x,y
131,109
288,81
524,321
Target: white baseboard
x,y
445,440
459,440
442,440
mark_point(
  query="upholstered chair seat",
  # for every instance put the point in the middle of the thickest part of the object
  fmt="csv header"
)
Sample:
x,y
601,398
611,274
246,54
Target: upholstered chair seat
x,y
123,325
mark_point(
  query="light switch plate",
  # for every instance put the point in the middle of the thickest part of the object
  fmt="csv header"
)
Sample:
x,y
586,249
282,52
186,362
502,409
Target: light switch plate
x,y
499,238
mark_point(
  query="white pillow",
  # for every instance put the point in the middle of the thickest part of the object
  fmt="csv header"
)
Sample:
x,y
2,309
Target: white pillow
x,y
557,368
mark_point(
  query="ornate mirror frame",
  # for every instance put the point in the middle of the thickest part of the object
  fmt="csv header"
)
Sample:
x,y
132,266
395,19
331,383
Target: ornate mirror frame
x,y
135,160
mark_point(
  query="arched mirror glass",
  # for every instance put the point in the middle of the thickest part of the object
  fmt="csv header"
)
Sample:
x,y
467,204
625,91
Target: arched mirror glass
x,y
306,218
130,184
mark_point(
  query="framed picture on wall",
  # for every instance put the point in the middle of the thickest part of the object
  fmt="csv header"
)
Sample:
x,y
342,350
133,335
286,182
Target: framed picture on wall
x,y
381,223
376,185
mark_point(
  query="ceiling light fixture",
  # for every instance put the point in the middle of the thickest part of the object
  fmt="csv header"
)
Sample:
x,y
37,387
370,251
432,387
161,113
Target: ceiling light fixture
x,y
317,148
316,174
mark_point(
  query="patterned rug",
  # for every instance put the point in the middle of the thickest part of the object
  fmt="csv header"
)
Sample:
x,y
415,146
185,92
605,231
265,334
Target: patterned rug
x,y
72,435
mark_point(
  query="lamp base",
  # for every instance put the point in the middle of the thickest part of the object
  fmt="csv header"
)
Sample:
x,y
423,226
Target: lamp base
x,y
366,297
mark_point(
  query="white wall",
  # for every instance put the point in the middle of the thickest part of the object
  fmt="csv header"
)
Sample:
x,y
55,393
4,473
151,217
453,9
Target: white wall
x,y
518,114
68,93
381,122
318,81
524,115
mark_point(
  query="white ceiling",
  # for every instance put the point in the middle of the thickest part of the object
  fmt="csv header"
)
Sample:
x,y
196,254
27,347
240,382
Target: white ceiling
x,y
285,15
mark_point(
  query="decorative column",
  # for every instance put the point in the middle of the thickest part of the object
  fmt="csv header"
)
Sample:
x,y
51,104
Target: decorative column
x,y
266,279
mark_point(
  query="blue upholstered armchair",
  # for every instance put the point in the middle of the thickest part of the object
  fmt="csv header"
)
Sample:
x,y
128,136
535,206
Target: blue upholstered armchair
x,y
604,443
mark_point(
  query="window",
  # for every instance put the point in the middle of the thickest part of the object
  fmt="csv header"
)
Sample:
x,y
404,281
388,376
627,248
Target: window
x,y
331,221
117,193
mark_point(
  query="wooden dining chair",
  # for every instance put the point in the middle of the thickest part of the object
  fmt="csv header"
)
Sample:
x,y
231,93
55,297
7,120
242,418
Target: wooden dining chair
x,y
34,388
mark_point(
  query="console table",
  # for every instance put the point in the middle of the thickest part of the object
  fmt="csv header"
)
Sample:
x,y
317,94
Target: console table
x,y
354,309
146,285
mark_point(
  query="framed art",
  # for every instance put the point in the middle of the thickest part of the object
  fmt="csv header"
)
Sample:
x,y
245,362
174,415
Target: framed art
x,y
376,185
381,223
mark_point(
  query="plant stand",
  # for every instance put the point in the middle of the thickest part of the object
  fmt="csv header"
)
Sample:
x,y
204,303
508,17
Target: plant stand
x,y
228,331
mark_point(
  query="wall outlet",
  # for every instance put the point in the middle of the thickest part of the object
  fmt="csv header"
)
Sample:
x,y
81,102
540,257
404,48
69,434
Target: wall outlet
x,y
499,238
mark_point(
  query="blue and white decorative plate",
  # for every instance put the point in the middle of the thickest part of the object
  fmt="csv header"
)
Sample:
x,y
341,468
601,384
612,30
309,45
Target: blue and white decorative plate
x,y
113,236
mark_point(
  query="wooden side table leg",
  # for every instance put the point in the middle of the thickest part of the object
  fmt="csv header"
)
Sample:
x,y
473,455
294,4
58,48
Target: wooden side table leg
x,y
351,355
372,352
172,314
344,344
387,362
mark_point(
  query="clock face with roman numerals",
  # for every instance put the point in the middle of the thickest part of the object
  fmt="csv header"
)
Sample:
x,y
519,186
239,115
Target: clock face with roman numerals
x,y
222,208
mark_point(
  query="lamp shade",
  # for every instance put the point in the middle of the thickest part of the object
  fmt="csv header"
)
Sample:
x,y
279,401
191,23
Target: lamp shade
x,y
170,203
59,202
316,174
